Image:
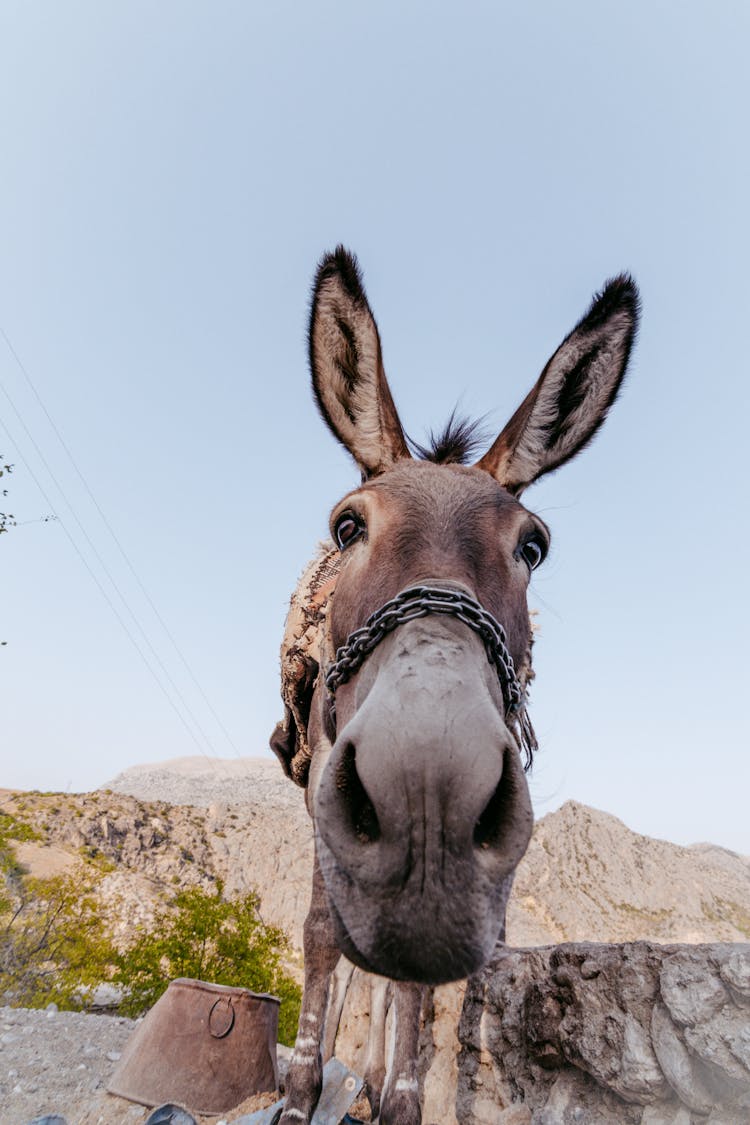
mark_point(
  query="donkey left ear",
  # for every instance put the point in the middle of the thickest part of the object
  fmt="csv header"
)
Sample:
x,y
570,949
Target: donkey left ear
x,y
347,367
573,394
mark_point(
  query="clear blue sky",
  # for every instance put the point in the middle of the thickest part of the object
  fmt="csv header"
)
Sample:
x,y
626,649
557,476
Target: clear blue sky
x,y
170,175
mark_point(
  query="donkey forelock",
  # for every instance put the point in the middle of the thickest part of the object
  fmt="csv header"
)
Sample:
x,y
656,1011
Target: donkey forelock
x,y
455,444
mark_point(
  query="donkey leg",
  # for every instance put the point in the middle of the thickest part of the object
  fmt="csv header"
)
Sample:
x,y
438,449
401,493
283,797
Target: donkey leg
x,y
380,997
400,1105
505,888
342,976
305,1077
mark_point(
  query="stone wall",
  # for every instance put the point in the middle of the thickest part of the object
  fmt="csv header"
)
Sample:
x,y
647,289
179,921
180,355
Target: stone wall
x,y
584,1034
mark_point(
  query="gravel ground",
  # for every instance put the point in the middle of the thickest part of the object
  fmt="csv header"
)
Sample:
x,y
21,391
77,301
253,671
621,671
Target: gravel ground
x,y
60,1062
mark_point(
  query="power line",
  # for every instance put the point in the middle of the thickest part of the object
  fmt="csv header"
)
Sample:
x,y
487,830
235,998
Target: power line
x,y
104,593
39,519
104,567
118,544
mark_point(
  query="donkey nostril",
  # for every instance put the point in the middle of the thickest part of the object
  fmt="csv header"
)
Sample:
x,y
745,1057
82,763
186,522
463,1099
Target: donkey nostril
x,y
359,807
488,830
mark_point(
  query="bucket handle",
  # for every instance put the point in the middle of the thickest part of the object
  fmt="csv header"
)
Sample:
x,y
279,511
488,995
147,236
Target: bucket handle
x,y
220,1028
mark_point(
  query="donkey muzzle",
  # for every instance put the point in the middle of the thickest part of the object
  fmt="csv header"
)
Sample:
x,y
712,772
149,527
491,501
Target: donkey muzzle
x,y
422,810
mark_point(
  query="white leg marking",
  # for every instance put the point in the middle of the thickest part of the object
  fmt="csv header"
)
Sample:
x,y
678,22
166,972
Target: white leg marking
x,y
306,1041
295,1113
407,1084
304,1059
392,1044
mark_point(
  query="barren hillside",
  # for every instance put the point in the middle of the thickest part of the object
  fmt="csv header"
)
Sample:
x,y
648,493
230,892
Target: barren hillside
x,y
586,876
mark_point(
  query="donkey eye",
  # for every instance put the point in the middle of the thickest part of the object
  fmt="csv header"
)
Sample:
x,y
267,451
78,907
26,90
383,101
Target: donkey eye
x,y
532,552
348,528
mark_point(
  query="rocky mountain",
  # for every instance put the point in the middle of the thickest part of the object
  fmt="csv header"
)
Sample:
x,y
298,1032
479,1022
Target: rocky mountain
x,y
585,877
203,781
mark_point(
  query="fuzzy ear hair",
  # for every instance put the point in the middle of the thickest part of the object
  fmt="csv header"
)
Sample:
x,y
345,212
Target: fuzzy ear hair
x,y
347,367
573,394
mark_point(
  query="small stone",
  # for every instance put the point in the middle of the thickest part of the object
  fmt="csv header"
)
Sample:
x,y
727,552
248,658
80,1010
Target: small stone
x,y
52,1009
736,972
666,1113
725,1115
641,1079
563,975
114,1056
718,1043
691,994
678,1064
7,1039
515,1115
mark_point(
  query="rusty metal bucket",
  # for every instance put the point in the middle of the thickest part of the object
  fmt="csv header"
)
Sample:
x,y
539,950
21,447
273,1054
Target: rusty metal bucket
x,y
204,1046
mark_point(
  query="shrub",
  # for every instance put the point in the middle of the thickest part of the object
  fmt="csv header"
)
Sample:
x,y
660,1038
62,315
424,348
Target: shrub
x,y
55,944
208,936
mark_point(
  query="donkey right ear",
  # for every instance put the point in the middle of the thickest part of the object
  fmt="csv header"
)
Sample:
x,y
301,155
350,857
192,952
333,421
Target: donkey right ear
x,y
571,399
347,367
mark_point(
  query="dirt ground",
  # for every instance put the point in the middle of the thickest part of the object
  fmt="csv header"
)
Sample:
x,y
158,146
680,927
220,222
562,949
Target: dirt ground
x,y
60,1063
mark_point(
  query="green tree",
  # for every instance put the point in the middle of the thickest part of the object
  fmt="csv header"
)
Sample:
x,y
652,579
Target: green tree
x,y
208,936
10,873
55,943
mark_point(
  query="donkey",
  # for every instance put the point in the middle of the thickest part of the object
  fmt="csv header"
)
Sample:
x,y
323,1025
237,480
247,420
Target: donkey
x,y
414,717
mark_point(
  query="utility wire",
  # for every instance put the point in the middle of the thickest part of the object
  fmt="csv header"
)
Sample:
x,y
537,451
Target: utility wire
x,y
106,570
105,595
103,565
119,545
40,519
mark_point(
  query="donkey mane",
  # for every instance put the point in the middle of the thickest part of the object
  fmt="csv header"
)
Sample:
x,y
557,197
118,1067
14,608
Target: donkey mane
x,y
455,444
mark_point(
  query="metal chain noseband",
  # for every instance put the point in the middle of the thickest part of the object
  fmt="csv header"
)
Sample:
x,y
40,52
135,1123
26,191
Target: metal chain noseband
x,y
418,601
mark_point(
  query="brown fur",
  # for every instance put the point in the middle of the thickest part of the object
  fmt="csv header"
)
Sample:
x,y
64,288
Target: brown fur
x,y
441,523
427,522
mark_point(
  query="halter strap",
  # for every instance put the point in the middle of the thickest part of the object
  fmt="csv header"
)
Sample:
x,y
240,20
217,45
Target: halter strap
x,y
418,601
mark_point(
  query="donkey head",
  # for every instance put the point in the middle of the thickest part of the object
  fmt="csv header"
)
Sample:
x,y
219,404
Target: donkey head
x,y
417,788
